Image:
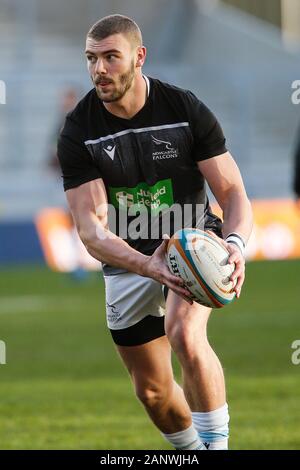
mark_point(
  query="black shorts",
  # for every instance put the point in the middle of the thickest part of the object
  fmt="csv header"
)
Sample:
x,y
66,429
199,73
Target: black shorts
x,y
147,329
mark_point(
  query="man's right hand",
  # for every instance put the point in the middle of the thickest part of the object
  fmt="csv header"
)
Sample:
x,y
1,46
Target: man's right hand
x,y
156,267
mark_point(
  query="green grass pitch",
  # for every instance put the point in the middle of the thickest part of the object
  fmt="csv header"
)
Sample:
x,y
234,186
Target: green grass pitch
x,y
64,387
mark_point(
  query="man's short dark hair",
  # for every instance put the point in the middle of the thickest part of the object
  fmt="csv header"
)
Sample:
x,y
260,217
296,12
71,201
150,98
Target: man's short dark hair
x,y
116,24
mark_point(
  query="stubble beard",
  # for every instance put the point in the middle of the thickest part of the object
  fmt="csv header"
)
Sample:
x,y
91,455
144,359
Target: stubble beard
x,y
125,82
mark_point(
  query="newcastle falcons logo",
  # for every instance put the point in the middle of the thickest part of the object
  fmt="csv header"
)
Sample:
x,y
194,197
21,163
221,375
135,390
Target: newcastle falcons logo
x,y
162,142
164,149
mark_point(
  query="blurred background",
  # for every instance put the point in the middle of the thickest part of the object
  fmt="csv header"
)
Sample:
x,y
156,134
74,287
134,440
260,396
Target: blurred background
x,y
62,385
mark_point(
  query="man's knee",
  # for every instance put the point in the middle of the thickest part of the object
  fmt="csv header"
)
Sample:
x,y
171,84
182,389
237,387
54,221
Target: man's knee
x,y
181,337
152,396
187,338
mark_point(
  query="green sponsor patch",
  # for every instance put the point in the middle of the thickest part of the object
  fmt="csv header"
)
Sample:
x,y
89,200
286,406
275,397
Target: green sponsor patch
x,y
143,196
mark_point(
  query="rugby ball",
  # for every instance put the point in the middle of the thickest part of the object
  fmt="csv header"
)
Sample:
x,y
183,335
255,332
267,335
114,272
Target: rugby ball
x,y
202,263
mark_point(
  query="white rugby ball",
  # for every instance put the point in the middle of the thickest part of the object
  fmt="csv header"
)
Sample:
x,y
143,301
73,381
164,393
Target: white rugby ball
x,y
202,262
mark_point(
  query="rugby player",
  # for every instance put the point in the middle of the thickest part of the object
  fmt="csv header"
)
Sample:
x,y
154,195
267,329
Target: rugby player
x,y
131,139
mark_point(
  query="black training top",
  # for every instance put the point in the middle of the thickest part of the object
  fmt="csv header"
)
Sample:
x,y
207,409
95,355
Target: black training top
x,y
147,161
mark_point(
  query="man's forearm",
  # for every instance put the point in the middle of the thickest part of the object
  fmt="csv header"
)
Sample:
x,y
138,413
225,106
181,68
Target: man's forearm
x,y
113,250
237,215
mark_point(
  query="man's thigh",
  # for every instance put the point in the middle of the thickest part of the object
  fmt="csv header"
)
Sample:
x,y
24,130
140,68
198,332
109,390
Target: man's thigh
x,y
180,314
149,364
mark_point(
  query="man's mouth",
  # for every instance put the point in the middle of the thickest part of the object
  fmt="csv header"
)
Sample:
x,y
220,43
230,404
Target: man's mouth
x,y
103,83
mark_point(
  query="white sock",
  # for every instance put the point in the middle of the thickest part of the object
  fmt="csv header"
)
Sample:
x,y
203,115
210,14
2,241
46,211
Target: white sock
x,y
188,439
213,428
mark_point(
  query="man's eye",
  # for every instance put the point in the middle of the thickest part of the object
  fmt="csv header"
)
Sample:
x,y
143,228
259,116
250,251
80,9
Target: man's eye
x,y
91,58
110,57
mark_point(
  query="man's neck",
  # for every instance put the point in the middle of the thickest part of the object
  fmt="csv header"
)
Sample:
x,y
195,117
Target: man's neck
x,y
132,102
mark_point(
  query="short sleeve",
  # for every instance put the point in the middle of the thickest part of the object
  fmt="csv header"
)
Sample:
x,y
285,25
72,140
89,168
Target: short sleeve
x,y
207,132
77,164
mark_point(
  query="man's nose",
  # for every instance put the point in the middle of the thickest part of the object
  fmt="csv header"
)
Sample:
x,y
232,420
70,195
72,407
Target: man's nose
x,y
100,67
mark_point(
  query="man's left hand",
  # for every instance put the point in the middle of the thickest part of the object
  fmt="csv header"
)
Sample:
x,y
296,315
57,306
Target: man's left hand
x,y
236,258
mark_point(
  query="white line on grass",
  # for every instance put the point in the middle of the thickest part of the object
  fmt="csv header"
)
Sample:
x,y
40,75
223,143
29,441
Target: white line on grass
x,y
37,303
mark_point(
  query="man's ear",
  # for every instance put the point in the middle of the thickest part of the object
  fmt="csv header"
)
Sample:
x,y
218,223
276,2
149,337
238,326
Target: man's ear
x,y
141,56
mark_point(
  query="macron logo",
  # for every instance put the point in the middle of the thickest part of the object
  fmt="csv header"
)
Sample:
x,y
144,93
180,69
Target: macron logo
x,y
110,151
